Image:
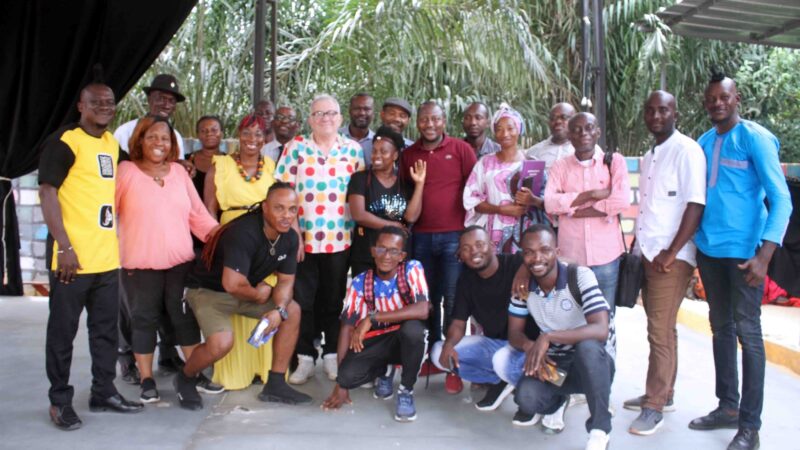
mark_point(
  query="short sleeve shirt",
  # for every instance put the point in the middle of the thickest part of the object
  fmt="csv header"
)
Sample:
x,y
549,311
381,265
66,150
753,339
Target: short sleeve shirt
x,y
321,182
558,310
386,297
244,248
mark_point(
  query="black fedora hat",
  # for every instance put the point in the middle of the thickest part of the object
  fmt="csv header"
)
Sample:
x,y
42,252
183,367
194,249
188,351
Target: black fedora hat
x,y
167,83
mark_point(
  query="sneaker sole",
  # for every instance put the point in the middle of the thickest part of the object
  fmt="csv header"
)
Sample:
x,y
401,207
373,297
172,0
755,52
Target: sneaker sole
x,y
405,418
498,401
297,382
731,426
378,397
632,430
149,400
209,391
667,408
536,418
286,401
95,409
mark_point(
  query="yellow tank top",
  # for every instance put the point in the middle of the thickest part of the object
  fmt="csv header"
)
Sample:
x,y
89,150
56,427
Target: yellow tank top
x,y
233,191
87,201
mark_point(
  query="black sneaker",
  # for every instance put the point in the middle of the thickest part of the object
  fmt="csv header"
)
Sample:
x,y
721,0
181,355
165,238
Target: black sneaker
x,y
494,396
716,419
168,366
525,420
206,386
129,372
65,418
283,393
745,439
186,391
149,392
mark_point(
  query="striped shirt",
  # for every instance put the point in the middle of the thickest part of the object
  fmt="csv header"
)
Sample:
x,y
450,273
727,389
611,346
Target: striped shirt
x,y
386,296
558,310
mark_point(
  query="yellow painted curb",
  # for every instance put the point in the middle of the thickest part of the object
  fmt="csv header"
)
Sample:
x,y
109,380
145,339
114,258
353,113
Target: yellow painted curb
x,y
776,353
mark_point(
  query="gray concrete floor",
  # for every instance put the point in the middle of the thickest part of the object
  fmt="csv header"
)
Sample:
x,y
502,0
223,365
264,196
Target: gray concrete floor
x,y
239,420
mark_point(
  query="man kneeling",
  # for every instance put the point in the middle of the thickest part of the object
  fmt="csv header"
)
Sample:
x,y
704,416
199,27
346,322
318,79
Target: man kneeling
x,y
572,353
229,280
382,325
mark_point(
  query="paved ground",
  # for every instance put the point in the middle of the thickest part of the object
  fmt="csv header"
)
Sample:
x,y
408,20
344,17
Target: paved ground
x,y
239,420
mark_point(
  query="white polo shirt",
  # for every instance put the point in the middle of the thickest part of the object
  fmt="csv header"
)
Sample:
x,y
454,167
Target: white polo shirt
x,y
549,152
673,174
124,132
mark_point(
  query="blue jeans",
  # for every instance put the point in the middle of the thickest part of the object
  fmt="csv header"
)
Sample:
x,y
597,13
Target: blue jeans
x,y
507,364
589,371
474,358
734,310
437,253
607,277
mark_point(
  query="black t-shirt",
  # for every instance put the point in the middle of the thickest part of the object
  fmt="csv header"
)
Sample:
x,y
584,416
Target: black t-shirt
x,y
487,299
244,248
387,203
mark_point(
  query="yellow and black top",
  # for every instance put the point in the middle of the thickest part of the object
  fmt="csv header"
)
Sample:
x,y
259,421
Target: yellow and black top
x,y
83,169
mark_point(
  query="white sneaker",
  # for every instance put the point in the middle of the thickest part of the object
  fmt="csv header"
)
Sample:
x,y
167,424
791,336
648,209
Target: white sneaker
x,y
554,423
598,440
330,365
304,371
577,399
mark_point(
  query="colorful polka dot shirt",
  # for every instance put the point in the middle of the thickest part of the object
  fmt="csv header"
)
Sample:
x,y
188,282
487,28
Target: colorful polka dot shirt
x,y
321,183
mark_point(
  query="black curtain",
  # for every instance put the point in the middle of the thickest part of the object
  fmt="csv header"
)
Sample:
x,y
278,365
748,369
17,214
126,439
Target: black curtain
x,y
785,265
47,52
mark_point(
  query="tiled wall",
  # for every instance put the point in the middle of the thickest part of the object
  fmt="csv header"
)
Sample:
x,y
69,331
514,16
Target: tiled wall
x,y
33,231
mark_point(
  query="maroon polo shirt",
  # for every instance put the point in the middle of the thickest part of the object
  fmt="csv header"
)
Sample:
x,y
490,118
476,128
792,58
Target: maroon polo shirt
x,y
448,167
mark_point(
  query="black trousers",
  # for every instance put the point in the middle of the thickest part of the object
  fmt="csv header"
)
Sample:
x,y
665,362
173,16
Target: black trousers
x,y
166,337
150,293
99,294
319,289
405,346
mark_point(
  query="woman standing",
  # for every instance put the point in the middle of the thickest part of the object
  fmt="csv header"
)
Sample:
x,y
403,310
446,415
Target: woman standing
x,y
490,195
209,133
159,210
234,184
377,198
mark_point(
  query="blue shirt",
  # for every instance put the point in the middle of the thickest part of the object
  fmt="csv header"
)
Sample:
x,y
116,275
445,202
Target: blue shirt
x,y
365,143
742,169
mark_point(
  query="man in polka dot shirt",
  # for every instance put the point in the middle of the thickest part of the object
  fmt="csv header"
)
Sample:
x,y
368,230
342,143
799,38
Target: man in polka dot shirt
x,y
319,166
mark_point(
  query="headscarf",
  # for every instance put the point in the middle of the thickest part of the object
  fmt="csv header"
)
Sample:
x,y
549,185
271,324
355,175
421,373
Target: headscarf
x,y
506,111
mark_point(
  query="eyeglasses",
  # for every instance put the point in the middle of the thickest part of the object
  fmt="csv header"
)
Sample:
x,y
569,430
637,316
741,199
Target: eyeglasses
x,y
393,252
326,114
282,118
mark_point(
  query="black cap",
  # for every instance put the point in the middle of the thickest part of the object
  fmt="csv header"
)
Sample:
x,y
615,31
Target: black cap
x,y
167,83
399,102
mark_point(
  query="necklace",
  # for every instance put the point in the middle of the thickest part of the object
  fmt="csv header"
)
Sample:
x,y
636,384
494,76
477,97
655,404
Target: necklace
x,y
243,173
272,244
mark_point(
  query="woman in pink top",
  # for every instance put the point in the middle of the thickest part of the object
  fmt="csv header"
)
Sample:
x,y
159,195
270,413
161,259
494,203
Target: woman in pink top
x,y
159,209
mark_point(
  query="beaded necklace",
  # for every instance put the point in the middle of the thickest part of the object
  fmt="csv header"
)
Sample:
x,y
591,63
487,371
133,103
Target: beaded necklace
x,y
243,173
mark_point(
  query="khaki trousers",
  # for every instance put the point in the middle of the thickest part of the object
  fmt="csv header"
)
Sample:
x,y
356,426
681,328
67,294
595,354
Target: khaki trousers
x,y
662,295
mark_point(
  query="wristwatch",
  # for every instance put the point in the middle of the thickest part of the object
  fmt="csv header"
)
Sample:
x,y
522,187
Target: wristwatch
x,y
283,313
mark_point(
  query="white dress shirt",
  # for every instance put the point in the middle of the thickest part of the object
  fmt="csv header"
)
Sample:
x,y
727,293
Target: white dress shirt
x,y
673,174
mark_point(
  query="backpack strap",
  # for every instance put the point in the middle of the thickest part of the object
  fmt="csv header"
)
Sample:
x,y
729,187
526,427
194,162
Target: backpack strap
x,y
369,290
572,283
402,285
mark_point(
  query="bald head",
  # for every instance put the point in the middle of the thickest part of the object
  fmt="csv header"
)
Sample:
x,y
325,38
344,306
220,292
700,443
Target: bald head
x,y
560,114
660,114
583,134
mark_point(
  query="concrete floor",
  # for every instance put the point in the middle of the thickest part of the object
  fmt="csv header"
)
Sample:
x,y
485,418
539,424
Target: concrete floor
x,y
239,420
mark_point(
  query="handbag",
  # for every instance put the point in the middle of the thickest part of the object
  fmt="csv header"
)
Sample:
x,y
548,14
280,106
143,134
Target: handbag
x,y
631,270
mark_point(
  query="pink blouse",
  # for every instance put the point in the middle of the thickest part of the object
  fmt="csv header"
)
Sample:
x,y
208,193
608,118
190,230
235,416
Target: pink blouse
x,y
155,222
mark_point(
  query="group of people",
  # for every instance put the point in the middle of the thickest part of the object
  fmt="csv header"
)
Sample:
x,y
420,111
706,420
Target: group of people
x,y
371,252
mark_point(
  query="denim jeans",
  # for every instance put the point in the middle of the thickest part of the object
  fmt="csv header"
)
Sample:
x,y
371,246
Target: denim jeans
x,y
437,253
507,364
474,358
589,371
734,310
607,277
